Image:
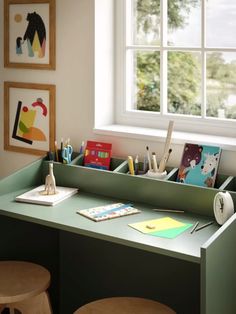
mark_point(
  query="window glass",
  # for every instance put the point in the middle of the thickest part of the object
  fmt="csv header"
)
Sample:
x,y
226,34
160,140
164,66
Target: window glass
x,y
184,83
146,22
184,23
146,80
221,84
220,23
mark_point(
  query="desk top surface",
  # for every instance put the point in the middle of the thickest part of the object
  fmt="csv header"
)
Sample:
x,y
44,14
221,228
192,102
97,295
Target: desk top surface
x,y
63,216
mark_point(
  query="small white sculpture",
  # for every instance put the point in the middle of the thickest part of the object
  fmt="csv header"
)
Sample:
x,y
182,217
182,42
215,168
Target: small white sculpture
x,y
50,182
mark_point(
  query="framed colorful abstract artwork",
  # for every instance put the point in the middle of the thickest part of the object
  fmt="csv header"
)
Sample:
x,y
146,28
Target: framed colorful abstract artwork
x,y
29,117
29,34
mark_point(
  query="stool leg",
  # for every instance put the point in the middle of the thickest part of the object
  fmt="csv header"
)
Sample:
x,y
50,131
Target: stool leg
x,y
39,304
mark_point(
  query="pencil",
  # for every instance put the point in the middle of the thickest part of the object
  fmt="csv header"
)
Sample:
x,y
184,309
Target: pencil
x,y
204,226
56,151
131,165
194,227
168,210
136,166
149,158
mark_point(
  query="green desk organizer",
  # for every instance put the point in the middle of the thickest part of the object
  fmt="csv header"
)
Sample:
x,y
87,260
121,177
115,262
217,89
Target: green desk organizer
x,y
117,182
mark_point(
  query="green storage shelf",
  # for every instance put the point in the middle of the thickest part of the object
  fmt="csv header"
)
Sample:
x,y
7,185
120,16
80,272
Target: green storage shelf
x,y
117,182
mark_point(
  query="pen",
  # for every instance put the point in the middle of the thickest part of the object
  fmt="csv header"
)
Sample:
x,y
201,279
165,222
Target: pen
x,y
81,148
56,151
62,147
149,159
168,210
194,227
204,226
131,165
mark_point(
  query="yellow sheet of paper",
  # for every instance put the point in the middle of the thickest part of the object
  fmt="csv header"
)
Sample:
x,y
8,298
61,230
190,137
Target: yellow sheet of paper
x,y
164,223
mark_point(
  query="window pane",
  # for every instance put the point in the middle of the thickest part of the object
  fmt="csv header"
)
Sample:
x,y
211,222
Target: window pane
x,y
220,23
184,23
221,84
184,80
146,15
147,80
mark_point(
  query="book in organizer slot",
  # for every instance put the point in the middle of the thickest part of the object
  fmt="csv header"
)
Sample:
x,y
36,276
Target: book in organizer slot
x,y
98,155
199,165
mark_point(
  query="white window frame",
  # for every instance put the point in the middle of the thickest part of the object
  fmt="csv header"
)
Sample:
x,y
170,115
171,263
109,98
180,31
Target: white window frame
x,y
127,116
110,118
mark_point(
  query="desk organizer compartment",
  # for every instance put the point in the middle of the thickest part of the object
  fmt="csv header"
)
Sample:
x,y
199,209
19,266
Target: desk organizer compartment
x,y
230,185
52,156
124,168
219,183
159,193
115,163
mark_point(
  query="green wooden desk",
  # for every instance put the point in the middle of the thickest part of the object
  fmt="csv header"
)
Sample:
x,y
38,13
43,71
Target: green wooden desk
x,y
193,273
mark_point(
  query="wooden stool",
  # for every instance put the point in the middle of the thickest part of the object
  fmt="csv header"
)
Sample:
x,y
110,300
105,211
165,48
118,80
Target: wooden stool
x,y
124,305
23,287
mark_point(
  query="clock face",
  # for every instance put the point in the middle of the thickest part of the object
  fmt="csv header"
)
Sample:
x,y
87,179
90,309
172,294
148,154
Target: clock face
x,y
223,207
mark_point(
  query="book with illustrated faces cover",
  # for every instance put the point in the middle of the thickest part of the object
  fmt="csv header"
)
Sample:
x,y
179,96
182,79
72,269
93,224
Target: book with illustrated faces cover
x,y
199,165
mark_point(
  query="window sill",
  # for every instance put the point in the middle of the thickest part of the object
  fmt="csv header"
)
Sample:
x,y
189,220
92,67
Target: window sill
x,y
227,143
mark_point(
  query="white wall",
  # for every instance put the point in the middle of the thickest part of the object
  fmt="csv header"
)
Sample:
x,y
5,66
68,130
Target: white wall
x,y
74,80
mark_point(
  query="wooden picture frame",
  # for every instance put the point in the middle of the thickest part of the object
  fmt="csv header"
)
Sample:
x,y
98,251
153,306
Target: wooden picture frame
x,y
29,34
29,117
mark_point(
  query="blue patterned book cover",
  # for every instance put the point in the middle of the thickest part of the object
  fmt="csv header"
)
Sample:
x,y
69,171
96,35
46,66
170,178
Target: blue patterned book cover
x,y
199,165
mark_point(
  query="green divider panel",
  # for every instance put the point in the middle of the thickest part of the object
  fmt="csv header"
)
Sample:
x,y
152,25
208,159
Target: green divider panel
x,y
27,177
117,183
159,193
218,271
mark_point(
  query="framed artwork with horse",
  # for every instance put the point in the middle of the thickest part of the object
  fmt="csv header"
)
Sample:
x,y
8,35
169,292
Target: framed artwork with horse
x,y
29,117
29,34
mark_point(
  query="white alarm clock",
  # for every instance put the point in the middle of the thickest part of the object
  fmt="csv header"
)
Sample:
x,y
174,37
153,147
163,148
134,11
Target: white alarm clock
x,y
223,207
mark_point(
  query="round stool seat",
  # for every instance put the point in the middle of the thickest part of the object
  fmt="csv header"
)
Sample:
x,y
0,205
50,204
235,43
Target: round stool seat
x,y
23,287
124,305
21,280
